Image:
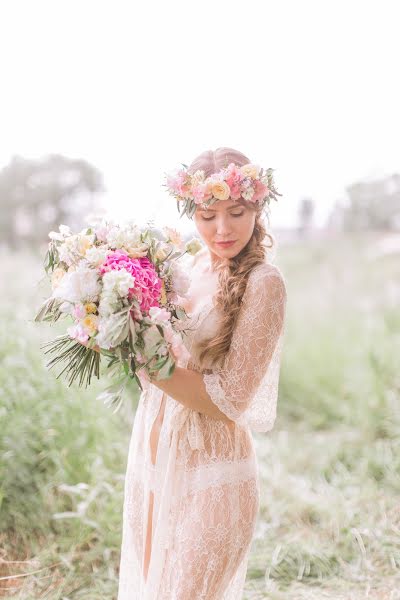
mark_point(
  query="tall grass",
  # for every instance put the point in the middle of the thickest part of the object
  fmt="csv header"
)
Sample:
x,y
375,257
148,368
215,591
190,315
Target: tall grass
x,y
329,524
62,461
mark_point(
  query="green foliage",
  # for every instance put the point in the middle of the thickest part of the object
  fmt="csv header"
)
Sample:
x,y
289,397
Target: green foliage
x,y
329,515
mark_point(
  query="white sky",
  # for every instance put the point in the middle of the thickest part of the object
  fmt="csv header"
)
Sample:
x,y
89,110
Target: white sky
x,y
309,88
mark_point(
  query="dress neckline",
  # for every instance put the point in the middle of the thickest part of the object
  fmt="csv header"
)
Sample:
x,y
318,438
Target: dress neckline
x,y
202,313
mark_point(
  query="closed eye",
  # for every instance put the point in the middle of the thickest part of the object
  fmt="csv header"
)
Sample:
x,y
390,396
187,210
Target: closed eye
x,y
232,214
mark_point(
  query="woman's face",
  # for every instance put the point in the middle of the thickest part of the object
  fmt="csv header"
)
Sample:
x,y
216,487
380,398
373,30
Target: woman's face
x,y
225,220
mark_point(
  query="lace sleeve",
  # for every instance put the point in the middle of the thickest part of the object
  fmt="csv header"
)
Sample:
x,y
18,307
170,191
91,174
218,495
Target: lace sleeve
x,y
245,388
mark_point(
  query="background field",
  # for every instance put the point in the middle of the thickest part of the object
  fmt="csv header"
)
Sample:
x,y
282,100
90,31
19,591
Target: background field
x,y
329,525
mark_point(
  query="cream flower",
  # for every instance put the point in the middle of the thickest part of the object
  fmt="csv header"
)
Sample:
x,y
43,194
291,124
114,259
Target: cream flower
x,y
163,296
56,277
137,251
90,308
198,177
193,246
174,236
85,242
221,190
161,254
90,323
250,170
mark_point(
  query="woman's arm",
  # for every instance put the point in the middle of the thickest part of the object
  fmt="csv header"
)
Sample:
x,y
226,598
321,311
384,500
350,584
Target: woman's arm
x,y
187,387
228,391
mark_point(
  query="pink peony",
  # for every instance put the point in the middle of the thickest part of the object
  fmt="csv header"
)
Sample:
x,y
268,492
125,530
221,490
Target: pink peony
x,y
147,288
260,190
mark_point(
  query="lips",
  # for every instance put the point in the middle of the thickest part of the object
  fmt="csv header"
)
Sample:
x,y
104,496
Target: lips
x,y
227,243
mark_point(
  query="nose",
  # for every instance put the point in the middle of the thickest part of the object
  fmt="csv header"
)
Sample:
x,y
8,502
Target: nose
x,y
223,226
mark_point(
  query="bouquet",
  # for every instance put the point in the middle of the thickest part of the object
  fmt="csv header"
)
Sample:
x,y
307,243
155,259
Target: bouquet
x,y
119,287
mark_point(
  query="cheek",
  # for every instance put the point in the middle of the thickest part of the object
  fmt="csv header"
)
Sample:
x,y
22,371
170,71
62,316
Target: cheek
x,y
246,224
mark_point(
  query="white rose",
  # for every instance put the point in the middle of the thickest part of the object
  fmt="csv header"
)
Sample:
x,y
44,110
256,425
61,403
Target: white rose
x,y
96,256
82,285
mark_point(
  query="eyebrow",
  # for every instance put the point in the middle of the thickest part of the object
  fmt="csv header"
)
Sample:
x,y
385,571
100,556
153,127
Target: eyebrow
x,y
213,210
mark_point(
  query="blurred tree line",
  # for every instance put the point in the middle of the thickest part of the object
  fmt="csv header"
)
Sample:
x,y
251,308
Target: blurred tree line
x,y
38,195
370,205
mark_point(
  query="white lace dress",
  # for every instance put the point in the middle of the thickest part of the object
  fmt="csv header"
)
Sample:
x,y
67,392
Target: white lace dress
x,y
203,480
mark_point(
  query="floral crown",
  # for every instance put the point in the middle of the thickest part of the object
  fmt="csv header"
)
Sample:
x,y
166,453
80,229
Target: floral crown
x,y
248,182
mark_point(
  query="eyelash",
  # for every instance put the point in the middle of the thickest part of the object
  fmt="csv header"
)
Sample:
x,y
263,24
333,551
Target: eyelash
x,y
211,218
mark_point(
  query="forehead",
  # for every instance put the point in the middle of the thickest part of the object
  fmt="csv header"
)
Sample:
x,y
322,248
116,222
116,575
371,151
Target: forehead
x,y
220,206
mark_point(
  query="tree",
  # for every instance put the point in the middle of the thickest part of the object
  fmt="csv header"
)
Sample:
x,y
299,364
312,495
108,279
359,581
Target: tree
x,y
38,195
373,204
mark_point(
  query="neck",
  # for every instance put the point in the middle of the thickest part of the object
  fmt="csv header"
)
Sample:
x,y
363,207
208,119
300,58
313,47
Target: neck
x,y
214,260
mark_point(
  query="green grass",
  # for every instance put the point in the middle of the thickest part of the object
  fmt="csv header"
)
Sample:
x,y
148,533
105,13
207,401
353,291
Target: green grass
x,y
329,523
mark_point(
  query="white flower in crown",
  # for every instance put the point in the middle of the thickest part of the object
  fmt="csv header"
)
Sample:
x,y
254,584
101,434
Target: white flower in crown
x,y
198,177
250,170
248,194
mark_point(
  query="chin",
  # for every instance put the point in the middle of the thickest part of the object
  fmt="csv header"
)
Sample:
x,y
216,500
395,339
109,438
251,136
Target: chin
x,y
227,252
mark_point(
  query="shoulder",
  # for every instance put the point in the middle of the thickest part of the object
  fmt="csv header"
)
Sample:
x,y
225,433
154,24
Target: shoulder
x,y
267,278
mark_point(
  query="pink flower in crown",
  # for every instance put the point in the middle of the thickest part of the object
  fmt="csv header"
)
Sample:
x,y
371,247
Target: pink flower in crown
x,y
175,181
147,287
215,177
261,190
179,182
234,177
201,192
235,192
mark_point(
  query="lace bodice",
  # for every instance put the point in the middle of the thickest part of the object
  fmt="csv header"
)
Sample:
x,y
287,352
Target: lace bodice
x,y
245,387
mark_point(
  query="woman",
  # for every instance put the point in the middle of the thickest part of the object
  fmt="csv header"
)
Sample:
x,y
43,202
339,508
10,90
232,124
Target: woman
x,y
191,488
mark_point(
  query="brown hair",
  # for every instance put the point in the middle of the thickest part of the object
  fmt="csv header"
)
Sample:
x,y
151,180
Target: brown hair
x,y
233,273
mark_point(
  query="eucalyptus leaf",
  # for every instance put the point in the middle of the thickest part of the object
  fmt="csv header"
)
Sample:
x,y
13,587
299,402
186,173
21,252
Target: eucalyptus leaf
x,y
151,338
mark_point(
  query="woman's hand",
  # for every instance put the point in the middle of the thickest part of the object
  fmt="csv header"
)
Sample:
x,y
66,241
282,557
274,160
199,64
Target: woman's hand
x,y
96,348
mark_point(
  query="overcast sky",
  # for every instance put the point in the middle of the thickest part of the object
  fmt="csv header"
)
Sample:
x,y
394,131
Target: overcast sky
x,y
309,88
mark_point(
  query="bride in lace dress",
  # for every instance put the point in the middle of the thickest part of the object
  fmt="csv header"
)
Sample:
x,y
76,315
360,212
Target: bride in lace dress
x,y
191,488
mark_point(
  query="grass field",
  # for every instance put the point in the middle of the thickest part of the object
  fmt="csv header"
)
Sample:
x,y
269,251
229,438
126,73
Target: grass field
x,y
329,524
